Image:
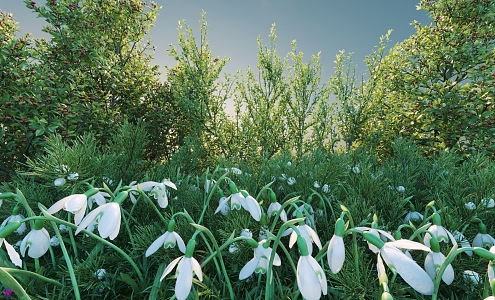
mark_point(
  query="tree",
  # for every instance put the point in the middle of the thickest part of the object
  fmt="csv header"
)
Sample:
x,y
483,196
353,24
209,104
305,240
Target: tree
x,y
306,94
437,86
199,96
261,102
92,74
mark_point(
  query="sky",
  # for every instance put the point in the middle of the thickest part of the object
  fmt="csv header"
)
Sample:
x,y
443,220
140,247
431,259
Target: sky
x,y
325,26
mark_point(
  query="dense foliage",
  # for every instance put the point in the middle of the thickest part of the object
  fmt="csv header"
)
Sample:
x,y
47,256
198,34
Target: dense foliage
x,y
86,113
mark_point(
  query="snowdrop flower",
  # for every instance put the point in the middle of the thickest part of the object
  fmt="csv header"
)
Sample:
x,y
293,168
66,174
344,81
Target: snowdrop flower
x,y
75,204
241,199
378,233
275,207
15,217
471,277
37,240
289,164
307,233
99,198
233,247
246,233
400,263
461,239
235,171
356,169
291,181
470,206
100,274
336,248
401,189
5,231
325,188
483,239
439,232
73,176
263,234
259,263
59,182
54,242
491,267
106,216
307,210
63,228
434,261
488,203
186,268
412,215
316,184
311,278
168,240
160,192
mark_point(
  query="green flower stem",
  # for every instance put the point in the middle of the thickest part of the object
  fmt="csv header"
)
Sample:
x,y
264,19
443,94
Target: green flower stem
x,y
34,275
70,268
72,240
9,281
354,247
128,229
220,258
282,229
52,256
207,199
325,199
153,206
49,217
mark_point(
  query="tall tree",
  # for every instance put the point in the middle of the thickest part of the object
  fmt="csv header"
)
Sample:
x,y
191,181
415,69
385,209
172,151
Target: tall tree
x,y
438,85
261,101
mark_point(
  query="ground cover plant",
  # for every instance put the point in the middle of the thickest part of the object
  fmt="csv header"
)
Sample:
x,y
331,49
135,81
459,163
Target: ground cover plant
x,y
160,195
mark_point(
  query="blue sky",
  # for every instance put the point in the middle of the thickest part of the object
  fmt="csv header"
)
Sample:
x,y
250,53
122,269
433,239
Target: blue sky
x,y
234,25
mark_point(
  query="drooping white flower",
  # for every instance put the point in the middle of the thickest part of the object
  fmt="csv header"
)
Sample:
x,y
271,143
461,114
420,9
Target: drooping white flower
x,y
259,263
235,171
159,191
54,242
309,235
75,204
73,176
274,208
439,232
13,218
291,181
316,185
98,198
234,247
100,274
240,199
470,206
5,231
400,263
401,189
491,267
246,233
37,240
356,169
107,217
412,215
488,203
471,277
336,248
434,261
59,182
325,188
186,268
311,278
483,239
168,240
307,210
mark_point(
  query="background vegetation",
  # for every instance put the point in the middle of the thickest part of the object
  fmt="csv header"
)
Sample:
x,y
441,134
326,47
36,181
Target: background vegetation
x,y
89,98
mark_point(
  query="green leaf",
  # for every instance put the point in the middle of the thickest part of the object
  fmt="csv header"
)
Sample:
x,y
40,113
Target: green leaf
x,y
128,279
